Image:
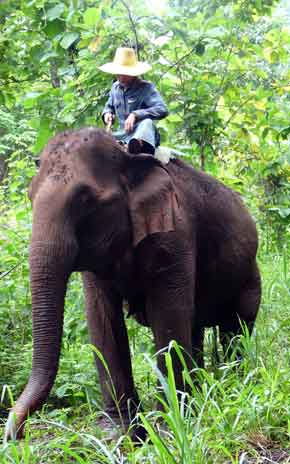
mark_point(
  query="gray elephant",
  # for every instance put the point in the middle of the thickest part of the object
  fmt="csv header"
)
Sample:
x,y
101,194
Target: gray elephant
x,y
175,243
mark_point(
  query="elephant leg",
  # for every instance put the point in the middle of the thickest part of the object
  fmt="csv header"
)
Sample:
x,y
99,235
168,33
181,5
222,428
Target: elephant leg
x,y
243,312
168,324
169,276
109,335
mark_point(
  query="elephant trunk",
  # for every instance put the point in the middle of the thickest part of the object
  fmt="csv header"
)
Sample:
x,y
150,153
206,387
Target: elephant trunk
x,y
50,266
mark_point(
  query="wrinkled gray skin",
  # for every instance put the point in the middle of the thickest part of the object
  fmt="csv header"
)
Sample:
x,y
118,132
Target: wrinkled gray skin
x,y
174,242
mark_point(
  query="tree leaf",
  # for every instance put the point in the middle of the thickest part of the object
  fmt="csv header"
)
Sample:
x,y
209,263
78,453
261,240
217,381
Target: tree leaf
x,y
62,390
284,133
284,213
91,17
47,56
44,133
53,28
29,100
55,12
94,44
68,39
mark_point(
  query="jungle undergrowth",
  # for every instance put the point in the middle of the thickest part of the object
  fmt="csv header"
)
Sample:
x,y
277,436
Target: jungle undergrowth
x,y
236,409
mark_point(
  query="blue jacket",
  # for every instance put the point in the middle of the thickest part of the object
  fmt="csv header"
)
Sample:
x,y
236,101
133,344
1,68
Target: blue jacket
x,y
142,99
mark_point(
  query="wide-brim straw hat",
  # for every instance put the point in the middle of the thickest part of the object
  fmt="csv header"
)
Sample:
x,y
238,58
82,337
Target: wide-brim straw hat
x,y
125,63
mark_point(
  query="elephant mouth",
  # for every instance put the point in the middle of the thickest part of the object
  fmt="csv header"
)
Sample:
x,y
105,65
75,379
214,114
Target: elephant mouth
x,y
91,261
105,257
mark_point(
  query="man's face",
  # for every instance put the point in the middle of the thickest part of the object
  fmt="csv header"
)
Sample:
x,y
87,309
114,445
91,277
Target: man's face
x,y
126,81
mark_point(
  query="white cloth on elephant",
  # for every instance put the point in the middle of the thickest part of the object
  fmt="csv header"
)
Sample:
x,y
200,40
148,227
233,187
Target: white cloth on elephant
x,y
165,154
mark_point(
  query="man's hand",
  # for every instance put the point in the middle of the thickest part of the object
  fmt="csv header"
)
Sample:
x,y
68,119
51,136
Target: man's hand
x,y
130,122
108,118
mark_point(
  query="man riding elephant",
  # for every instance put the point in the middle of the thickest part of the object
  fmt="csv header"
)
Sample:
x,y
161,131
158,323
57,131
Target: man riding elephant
x,y
134,101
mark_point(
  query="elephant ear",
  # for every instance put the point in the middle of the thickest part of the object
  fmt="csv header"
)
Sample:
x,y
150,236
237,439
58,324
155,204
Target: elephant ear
x,y
153,201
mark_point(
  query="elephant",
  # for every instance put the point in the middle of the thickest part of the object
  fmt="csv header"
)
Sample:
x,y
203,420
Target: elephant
x,y
175,243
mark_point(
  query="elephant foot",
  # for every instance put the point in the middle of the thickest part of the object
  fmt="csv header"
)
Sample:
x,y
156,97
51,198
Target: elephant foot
x,y
13,431
115,428
111,429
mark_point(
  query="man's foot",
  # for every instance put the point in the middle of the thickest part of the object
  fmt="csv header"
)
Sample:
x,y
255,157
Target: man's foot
x,y
136,146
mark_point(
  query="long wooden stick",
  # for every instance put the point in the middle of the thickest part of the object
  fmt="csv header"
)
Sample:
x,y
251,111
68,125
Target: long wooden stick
x,y
109,127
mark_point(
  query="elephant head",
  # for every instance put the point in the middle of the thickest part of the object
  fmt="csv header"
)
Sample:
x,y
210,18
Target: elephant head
x,y
91,201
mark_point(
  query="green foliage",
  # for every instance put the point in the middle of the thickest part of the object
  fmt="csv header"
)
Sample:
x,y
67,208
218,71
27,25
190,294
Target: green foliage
x,y
15,138
234,411
223,68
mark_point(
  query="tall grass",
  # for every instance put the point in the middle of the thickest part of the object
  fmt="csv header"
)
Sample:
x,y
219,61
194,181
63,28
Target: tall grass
x,y
238,414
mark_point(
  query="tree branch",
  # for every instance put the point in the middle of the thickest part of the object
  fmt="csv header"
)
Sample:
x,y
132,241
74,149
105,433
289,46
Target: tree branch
x,y
177,62
4,274
236,111
133,26
55,81
13,80
222,82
